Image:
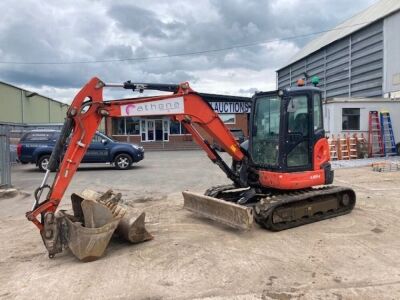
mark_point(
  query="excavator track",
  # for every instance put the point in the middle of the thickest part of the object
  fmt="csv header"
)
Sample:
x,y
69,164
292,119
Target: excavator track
x,y
280,210
288,210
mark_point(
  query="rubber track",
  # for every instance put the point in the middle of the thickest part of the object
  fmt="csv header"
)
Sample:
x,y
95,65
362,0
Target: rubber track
x,y
264,209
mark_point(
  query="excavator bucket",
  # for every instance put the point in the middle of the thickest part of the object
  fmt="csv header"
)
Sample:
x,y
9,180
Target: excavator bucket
x,y
228,213
96,217
89,244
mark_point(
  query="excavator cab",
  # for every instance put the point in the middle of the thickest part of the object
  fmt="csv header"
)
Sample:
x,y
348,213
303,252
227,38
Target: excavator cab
x,y
286,125
287,148
284,175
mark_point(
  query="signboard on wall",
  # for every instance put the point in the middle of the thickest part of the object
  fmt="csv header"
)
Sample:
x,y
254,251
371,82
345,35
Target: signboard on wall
x,y
231,107
169,106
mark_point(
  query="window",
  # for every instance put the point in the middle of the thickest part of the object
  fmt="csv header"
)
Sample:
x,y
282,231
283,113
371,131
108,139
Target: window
x,y
266,131
123,126
350,119
97,138
118,126
132,126
38,136
317,112
298,116
228,118
174,127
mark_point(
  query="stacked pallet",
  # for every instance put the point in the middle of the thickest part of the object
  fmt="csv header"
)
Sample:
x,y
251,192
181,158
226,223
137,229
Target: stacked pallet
x,y
344,147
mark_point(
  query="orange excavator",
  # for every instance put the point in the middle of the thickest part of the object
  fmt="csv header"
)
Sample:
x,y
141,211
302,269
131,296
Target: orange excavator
x,y
280,176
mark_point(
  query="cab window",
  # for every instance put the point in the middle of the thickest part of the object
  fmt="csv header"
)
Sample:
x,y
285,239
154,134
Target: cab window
x,y
317,108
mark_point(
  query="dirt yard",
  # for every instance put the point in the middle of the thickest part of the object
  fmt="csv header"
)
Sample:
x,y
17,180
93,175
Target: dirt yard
x,y
356,256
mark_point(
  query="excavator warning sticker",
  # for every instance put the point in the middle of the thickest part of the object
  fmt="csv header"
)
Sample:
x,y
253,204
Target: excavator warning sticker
x,y
169,106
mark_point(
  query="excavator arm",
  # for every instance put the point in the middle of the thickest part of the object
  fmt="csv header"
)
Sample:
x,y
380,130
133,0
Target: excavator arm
x,y
88,109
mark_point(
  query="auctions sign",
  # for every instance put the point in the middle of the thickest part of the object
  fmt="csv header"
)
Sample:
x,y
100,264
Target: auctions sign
x,y
169,106
231,107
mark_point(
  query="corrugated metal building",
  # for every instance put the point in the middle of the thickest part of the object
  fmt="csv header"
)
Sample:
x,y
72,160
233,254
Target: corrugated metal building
x,y
358,58
19,106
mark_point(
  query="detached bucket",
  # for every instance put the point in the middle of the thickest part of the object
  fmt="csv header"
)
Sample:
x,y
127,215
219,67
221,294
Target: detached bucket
x,y
89,244
99,216
132,228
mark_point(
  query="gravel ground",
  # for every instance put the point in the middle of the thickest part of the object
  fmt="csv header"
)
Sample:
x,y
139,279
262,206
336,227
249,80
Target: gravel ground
x,y
350,257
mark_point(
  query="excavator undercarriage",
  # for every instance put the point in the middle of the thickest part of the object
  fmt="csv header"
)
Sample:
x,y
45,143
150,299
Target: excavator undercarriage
x,y
274,210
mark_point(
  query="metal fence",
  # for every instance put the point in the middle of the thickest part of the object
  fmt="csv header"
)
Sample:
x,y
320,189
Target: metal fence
x,y
5,164
10,135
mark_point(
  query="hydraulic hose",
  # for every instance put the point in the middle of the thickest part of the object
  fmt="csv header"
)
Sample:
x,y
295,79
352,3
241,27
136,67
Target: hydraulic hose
x,y
54,160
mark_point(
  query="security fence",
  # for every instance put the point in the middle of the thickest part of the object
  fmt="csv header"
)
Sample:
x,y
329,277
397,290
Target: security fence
x,y
5,164
10,135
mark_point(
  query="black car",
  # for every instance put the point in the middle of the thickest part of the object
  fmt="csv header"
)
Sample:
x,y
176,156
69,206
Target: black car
x,y
36,147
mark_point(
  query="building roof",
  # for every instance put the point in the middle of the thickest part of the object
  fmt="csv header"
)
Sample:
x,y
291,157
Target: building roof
x,y
224,98
32,93
375,12
361,100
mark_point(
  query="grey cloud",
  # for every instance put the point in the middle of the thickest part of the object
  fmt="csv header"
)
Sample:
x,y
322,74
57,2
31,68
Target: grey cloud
x,y
139,20
96,30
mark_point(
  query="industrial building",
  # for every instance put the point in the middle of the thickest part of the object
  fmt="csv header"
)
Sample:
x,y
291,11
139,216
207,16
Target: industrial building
x,y
358,64
21,107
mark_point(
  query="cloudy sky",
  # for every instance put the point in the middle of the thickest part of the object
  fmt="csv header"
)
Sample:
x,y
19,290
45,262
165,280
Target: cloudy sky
x,y
74,31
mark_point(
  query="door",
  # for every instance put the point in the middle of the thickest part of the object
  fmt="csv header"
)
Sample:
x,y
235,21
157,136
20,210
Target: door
x,y
97,151
166,130
150,131
159,130
298,133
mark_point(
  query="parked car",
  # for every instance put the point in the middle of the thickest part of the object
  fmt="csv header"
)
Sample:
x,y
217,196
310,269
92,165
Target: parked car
x,y
238,134
36,146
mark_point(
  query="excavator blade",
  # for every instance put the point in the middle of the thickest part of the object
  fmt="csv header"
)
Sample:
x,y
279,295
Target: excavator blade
x,y
228,213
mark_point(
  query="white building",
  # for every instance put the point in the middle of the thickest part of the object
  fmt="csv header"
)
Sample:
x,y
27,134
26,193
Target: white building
x,y
351,115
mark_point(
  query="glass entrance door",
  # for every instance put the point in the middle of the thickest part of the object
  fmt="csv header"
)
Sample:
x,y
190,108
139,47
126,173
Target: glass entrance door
x,y
159,130
154,130
150,130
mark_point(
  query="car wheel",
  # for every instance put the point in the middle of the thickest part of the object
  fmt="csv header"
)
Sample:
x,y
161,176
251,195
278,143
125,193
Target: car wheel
x,y
122,161
43,162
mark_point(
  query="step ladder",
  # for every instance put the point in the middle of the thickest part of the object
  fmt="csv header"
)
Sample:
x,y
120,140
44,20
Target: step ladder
x,y
389,144
352,146
333,146
375,145
344,150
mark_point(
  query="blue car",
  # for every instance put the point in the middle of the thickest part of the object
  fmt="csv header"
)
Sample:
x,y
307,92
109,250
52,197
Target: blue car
x,y
36,146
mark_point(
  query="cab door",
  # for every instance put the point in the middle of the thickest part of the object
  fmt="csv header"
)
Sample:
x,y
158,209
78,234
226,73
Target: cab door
x,y
299,138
